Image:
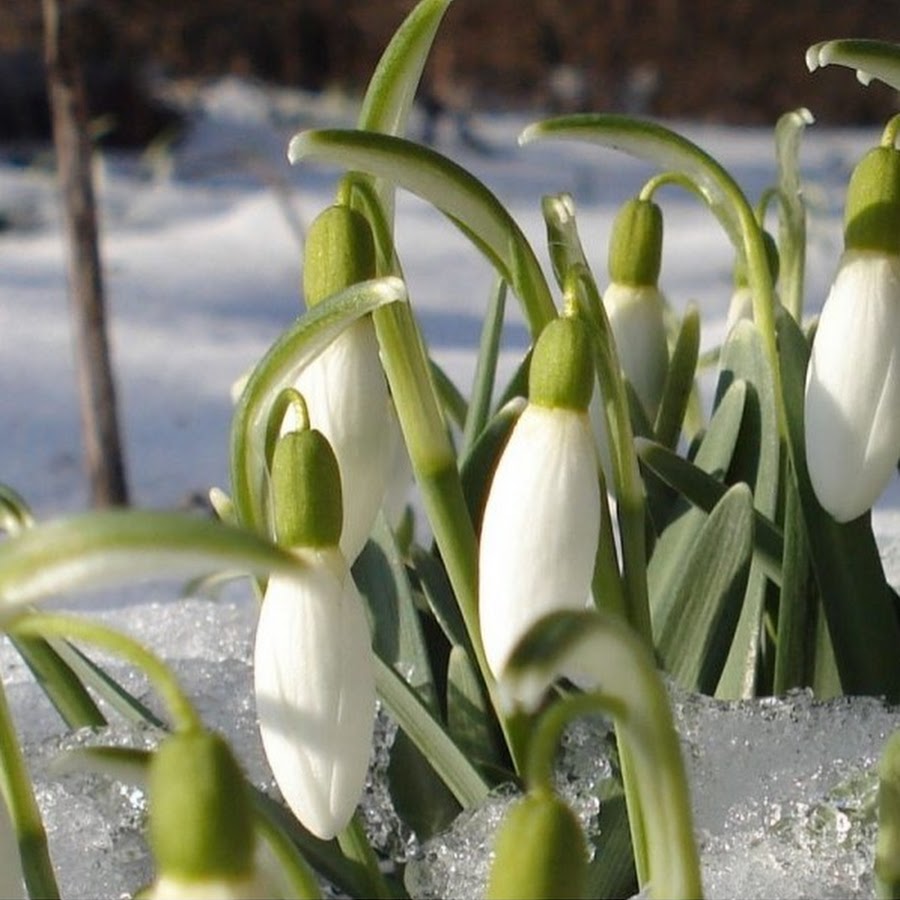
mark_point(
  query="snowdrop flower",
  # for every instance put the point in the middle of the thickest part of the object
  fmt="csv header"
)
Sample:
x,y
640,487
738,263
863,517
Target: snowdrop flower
x,y
541,520
634,303
852,408
344,387
12,884
313,669
201,823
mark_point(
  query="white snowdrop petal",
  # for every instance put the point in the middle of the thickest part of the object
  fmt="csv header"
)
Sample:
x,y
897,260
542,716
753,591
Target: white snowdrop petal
x,y
853,386
540,527
315,694
637,318
347,398
169,888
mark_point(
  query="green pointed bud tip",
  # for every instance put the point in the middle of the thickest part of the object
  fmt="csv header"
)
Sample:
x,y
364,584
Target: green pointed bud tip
x,y
200,812
872,212
340,252
306,491
562,366
741,276
635,246
540,851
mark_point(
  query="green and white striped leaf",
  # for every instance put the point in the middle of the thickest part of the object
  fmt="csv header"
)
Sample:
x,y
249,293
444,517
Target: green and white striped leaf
x,y
278,369
870,58
106,548
694,639
449,188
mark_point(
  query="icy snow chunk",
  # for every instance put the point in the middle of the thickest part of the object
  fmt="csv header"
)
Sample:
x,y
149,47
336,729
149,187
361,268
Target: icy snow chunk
x,y
784,792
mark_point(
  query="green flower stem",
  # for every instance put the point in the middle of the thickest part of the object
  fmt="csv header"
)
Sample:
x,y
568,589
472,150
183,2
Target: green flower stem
x,y
37,867
603,650
434,466
182,711
356,847
680,179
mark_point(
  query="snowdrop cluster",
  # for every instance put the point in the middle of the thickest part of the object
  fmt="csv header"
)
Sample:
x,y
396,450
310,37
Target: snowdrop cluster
x,y
587,525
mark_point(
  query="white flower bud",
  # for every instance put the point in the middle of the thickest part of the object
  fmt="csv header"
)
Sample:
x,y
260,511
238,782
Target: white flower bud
x,y
347,399
315,690
853,385
540,528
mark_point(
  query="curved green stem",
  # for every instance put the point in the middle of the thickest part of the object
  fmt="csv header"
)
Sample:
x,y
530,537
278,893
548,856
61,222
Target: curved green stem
x,y
184,715
603,651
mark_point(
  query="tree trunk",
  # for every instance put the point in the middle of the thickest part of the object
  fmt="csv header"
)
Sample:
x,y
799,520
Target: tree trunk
x,y
99,421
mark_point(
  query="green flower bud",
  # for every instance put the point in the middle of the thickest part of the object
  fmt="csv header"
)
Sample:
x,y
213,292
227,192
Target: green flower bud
x,y
887,847
201,817
635,247
340,252
872,212
562,366
540,851
306,491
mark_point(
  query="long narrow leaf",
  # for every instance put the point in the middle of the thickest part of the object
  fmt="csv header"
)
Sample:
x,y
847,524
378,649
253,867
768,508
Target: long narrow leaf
x,y
452,190
858,602
392,87
657,144
278,369
871,59
694,639
110,547
448,760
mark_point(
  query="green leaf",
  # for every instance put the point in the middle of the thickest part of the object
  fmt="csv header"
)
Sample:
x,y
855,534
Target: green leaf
x,y
112,547
452,190
714,458
858,602
757,461
679,380
448,761
657,144
469,716
792,212
704,491
439,595
397,637
420,798
485,367
478,465
452,401
871,59
59,682
693,640
278,369
392,87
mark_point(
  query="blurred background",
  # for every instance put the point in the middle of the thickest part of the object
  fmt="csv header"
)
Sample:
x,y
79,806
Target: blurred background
x,y
736,62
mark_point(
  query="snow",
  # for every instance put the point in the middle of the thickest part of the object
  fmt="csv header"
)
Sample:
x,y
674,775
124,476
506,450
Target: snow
x,y
202,252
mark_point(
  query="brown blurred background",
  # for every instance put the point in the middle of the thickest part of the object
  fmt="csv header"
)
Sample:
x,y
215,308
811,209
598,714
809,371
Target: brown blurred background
x,y
732,61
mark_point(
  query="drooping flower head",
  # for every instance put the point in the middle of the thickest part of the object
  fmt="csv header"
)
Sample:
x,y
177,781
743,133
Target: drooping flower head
x,y
853,380
201,822
541,520
313,669
634,303
344,387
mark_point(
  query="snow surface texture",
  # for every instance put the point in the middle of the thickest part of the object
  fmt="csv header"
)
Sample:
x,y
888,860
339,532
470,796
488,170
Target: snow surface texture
x,y
201,245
